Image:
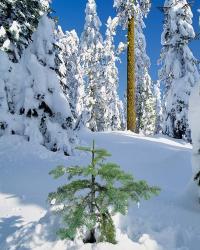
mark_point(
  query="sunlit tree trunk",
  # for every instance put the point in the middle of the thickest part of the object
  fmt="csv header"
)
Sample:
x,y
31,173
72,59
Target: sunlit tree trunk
x,y
131,110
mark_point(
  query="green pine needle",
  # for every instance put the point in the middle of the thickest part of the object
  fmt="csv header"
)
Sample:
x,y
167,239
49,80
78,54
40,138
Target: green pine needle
x,y
94,194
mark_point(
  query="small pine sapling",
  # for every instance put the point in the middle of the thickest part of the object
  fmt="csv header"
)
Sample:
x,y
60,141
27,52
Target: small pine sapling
x,y
93,195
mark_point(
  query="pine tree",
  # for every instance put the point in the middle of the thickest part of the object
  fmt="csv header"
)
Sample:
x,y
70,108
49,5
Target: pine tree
x,y
92,51
87,204
126,13
5,66
36,106
125,10
194,119
115,112
18,20
70,71
158,107
179,71
145,101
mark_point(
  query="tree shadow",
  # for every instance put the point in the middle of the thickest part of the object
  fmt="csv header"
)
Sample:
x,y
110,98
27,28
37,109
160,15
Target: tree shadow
x,y
8,226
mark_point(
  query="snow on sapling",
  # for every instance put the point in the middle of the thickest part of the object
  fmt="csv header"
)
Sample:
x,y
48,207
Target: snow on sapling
x,y
93,195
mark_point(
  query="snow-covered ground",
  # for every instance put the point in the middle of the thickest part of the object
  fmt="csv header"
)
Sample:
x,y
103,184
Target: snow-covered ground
x,y
167,222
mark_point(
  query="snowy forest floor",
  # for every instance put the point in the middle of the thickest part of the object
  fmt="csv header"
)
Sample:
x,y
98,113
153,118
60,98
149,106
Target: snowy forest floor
x,y
168,222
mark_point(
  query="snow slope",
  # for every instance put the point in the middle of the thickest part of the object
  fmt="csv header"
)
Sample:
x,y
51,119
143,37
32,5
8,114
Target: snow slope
x,y
167,222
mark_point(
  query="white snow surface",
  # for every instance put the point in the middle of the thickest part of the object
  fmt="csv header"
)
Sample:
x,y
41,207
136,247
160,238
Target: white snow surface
x,y
167,222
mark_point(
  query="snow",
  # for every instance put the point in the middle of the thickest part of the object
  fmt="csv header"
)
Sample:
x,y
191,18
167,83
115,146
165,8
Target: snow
x,y
167,222
15,29
194,118
179,72
98,61
32,102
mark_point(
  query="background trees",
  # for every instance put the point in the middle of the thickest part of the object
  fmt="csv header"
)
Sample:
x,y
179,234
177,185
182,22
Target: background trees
x,y
125,11
19,19
33,103
179,71
144,100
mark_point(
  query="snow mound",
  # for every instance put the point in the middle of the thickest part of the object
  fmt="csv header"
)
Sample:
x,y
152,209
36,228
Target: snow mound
x,y
41,236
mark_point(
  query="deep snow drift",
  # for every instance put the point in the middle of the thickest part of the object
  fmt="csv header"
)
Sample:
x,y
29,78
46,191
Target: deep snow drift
x,y
167,222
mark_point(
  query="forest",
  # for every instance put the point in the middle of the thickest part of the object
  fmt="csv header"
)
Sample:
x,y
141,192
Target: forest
x,y
84,166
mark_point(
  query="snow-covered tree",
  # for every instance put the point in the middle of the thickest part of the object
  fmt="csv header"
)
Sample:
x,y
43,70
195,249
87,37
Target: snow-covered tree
x,y
179,71
125,14
70,71
91,51
18,20
115,114
145,101
158,107
127,10
31,96
194,120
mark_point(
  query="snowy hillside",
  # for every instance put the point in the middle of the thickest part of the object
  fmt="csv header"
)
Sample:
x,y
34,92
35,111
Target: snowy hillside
x,y
167,222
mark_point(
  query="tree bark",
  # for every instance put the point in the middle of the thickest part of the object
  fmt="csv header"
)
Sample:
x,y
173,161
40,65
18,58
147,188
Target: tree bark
x,y
131,109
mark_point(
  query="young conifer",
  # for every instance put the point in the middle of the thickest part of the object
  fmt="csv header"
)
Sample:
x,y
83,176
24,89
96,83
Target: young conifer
x,y
93,195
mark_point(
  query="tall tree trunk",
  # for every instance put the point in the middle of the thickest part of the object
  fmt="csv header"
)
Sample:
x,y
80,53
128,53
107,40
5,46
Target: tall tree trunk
x,y
131,109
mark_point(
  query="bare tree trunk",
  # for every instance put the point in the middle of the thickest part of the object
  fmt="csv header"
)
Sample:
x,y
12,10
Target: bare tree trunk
x,y
131,109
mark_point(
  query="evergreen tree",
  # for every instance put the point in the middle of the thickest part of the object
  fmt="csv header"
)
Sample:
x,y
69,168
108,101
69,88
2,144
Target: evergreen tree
x,y
158,108
92,52
179,71
18,20
5,66
34,103
145,101
93,195
70,71
125,10
194,119
129,14
115,112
